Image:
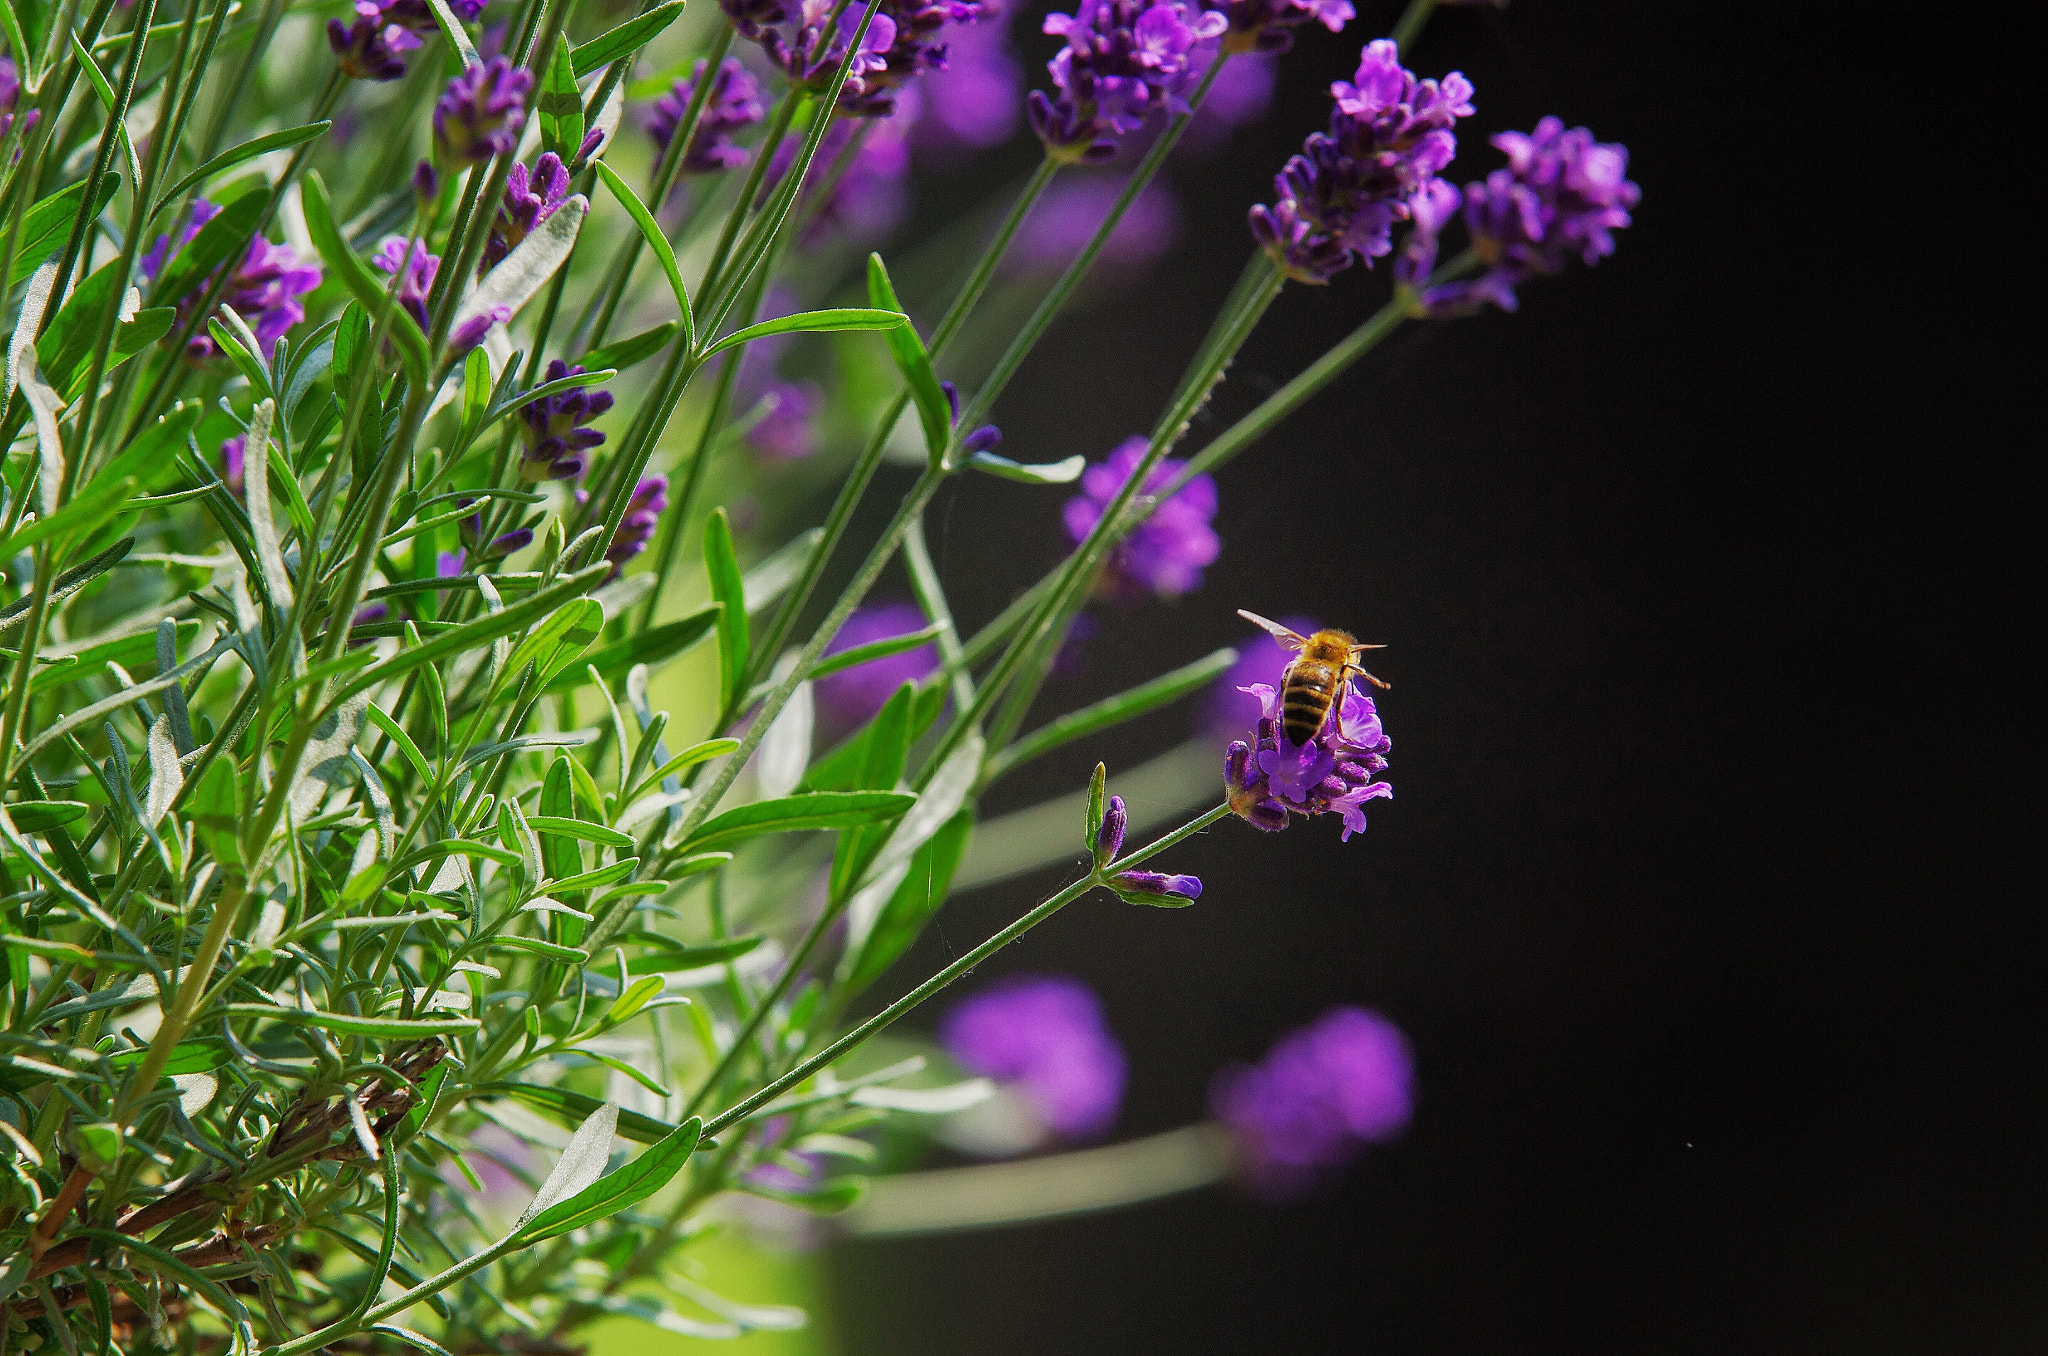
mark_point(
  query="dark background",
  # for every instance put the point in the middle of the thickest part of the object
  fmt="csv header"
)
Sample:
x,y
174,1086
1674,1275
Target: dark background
x,y
1698,898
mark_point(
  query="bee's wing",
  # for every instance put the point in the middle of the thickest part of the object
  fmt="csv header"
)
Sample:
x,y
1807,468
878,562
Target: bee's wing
x,y
1280,633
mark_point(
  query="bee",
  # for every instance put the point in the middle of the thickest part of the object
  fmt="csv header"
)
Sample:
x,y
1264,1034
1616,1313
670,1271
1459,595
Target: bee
x,y
1312,688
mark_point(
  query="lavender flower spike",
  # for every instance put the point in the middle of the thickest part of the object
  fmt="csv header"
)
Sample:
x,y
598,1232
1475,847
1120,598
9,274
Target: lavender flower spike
x,y
636,529
1338,200
733,103
1165,555
481,113
1273,777
1109,836
1045,1038
1122,61
531,197
1320,1096
1562,196
553,428
264,290
396,253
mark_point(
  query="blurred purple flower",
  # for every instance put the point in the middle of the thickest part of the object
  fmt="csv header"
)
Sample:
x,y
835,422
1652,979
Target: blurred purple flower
x,y
553,431
264,290
973,102
1071,659
784,432
1561,197
868,198
480,114
1273,777
1321,1095
10,98
1338,200
636,529
812,56
1241,94
848,698
1044,1035
373,47
419,269
531,197
1122,61
232,453
1267,25
471,532
1068,215
1260,659
1164,556
734,103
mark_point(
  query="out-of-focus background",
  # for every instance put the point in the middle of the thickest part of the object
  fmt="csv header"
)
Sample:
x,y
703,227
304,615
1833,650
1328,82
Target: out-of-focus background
x,y
1723,995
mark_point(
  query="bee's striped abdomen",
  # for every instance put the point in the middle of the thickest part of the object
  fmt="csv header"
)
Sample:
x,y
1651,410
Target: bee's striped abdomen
x,y
1305,700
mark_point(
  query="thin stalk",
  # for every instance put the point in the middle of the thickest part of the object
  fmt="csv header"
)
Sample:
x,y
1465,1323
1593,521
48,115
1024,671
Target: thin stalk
x,y
888,1016
856,485
750,188
1409,26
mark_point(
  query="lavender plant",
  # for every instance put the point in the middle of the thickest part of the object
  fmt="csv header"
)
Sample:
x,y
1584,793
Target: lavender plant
x,y
444,844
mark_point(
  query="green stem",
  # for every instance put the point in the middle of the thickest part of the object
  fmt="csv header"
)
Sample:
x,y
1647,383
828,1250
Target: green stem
x,y
888,1016
1409,26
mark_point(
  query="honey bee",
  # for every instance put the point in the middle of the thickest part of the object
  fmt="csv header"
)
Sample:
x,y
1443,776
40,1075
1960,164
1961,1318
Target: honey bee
x,y
1312,688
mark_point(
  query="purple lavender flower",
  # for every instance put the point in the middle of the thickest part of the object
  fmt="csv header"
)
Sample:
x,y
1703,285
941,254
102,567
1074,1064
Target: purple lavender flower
x,y
1164,556
973,102
812,57
480,115
10,98
1266,25
264,290
1068,215
869,198
914,49
531,197
1339,199
1044,1036
1321,1095
784,431
734,103
849,698
1122,61
1188,888
233,452
753,18
419,268
1273,777
636,529
476,548
1562,196
553,431
373,47
1109,835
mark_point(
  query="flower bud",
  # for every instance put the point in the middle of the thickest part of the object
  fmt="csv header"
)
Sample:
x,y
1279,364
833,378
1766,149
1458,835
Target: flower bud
x,y
1172,891
1109,838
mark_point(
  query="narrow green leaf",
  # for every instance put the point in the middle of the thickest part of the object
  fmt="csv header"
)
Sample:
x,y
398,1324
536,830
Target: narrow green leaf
x,y
590,880
839,769
651,232
560,107
364,285
69,582
691,957
44,228
630,351
226,236
17,43
1126,705
728,589
690,757
353,1024
652,647
34,816
457,35
811,810
247,151
629,36
628,1004
812,322
1049,473
618,1191
906,348
576,828
572,1108
876,649
535,946
89,508
404,742
472,634
559,641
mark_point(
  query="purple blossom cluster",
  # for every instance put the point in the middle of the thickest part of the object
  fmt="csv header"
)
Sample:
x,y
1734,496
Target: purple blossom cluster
x,y
973,102
1273,777
531,197
415,268
1338,200
1267,25
1121,61
552,429
733,103
1163,556
643,515
915,49
481,113
373,47
903,40
1561,196
1321,1095
474,545
264,290
1045,1037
